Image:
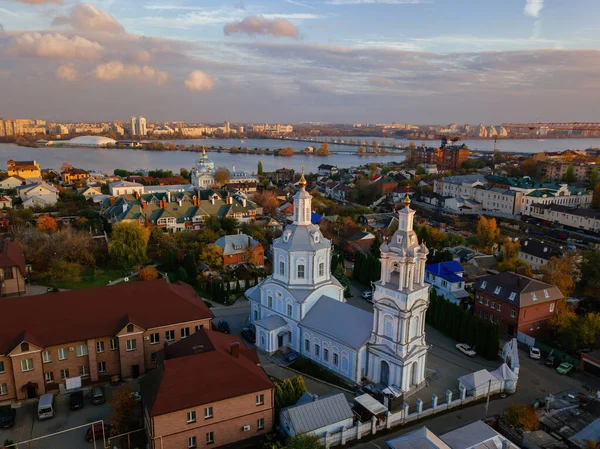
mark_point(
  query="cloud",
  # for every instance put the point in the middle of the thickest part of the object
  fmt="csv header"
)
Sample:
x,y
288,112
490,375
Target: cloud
x,y
39,2
86,17
304,5
377,2
253,25
67,72
54,45
533,7
1,28
381,81
143,57
116,70
199,81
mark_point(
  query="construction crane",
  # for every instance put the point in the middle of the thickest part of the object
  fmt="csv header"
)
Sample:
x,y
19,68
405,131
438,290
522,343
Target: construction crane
x,y
558,126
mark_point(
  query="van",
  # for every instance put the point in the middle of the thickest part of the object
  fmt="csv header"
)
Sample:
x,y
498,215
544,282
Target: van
x,y
46,406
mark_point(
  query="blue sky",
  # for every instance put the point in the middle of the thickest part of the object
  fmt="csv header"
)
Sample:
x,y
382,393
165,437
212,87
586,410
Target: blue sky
x,y
429,61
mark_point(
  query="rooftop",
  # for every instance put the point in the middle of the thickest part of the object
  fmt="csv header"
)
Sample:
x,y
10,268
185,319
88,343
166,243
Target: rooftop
x,y
319,413
11,255
516,289
447,271
236,244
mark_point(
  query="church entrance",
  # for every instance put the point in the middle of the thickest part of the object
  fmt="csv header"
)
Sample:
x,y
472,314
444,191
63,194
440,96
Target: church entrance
x,y
385,374
280,341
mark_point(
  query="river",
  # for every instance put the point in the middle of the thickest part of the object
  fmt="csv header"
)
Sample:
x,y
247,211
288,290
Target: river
x,y
345,156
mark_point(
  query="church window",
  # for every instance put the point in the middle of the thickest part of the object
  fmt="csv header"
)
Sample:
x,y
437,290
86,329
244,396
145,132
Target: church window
x,y
262,341
270,302
317,350
345,363
415,327
388,327
321,268
282,268
300,273
289,310
326,354
336,359
255,315
307,346
307,214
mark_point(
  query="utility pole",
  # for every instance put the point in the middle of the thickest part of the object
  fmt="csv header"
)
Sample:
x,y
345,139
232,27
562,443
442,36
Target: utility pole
x,y
487,402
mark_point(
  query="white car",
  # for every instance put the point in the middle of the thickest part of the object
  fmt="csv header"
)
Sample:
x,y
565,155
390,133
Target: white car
x,y
535,353
466,349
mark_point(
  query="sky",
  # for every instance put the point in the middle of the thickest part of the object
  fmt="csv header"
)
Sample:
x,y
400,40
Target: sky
x,y
340,61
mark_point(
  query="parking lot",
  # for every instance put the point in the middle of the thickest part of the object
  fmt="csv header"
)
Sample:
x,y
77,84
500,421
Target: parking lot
x,y
27,426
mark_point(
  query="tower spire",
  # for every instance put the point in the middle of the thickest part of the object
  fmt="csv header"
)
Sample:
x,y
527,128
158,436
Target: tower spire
x,y
302,181
406,201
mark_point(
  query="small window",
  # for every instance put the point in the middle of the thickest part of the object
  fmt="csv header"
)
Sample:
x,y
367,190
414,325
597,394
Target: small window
x,y
281,268
46,357
317,350
131,345
499,307
199,326
484,284
114,344
210,438
270,302
493,304
531,327
64,374
260,424
153,359
3,389
546,294
27,365
497,290
1,367
101,367
24,347
487,302
170,335
321,268
185,332
336,359
154,338
191,442
551,307
83,371
99,346
49,377
289,310
260,399
307,346
326,354
533,296
300,273
130,328
191,416
512,296
82,350
208,412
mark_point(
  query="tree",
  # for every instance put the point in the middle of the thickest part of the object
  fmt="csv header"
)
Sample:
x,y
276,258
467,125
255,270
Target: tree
x,y
593,180
62,271
149,274
304,442
267,199
590,274
260,168
211,255
569,176
65,167
47,224
522,416
129,243
123,405
596,197
487,234
562,272
285,152
184,173
323,150
222,175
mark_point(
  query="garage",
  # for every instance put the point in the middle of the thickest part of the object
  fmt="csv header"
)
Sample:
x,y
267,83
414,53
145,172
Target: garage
x,y
590,363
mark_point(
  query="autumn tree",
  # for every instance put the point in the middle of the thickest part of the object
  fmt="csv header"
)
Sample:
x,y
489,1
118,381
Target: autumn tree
x,y
47,224
286,152
323,150
123,404
222,175
596,197
590,274
129,243
487,234
260,168
149,274
267,199
61,271
522,416
561,272
211,255
510,258
66,166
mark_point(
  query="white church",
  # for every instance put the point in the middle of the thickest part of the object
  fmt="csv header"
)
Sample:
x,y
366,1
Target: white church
x,y
301,305
203,173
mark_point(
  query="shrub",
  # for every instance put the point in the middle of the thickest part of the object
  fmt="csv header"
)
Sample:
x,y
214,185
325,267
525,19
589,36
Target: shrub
x,y
149,274
522,416
62,271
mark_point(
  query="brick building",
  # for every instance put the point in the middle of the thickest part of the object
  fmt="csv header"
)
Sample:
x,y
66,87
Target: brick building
x,y
241,248
93,334
208,390
12,270
449,157
516,302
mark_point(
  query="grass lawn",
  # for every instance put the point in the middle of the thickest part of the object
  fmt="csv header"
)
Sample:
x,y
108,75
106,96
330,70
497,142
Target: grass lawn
x,y
91,278
311,368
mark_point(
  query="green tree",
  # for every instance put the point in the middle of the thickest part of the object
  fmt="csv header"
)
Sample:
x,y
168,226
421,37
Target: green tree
x,y
299,386
593,180
260,168
304,442
189,264
182,274
123,405
590,274
128,244
569,176
61,271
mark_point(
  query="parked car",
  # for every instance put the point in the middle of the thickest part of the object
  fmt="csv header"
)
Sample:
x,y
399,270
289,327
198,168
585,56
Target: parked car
x,y
368,295
551,361
95,432
466,349
292,357
98,396
7,416
565,368
223,326
249,334
136,395
535,353
76,400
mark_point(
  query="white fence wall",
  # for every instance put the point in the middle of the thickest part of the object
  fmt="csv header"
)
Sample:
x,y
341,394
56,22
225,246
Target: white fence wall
x,y
524,338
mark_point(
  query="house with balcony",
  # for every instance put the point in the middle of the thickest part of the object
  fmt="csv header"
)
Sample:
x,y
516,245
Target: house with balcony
x,y
447,280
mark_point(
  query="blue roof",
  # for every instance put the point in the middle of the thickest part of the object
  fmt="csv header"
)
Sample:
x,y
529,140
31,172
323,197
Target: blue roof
x,y
315,218
447,271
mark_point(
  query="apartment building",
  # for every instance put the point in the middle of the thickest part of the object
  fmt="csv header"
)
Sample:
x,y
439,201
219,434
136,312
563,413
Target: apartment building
x,y
208,390
449,157
537,253
556,170
12,269
516,302
92,334
573,217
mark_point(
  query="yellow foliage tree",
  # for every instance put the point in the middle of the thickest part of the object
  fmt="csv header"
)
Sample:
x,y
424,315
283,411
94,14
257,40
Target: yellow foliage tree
x,y
561,271
47,224
487,234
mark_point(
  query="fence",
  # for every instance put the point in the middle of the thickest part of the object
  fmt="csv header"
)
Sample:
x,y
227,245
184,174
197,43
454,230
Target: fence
x,y
524,338
558,354
405,416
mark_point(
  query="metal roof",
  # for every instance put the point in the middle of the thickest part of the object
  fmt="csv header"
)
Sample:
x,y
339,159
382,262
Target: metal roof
x,y
320,413
447,271
474,380
371,404
518,290
422,438
271,322
235,244
475,435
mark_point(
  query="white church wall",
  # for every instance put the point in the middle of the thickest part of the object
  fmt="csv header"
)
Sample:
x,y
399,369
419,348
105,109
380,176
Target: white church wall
x,y
347,357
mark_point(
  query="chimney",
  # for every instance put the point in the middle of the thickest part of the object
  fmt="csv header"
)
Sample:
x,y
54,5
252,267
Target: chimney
x,y
315,398
198,349
144,205
233,168
179,202
235,349
112,200
244,202
137,195
166,349
505,443
168,196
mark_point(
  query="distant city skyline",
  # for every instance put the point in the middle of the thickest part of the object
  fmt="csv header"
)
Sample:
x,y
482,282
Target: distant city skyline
x,y
289,61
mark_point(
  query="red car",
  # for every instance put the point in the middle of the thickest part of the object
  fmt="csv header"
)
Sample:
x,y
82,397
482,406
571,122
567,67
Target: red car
x,y
95,432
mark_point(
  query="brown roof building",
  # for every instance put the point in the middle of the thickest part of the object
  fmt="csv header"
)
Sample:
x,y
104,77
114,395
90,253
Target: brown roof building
x,y
208,389
12,269
24,169
518,303
94,334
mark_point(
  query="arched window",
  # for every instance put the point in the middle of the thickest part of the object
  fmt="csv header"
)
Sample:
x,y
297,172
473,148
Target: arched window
x,y
255,315
321,269
388,327
300,271
262,340
414,330
281,268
